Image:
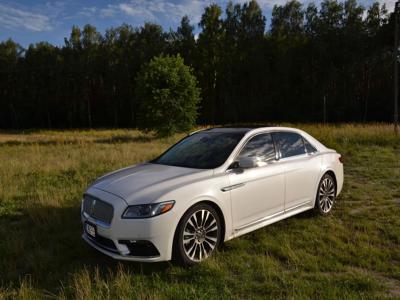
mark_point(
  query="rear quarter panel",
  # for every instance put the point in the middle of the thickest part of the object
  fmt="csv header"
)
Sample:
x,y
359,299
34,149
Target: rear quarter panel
x,y
330,162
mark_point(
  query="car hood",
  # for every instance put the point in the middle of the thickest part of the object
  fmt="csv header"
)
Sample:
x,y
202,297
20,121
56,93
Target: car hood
x,y
147,182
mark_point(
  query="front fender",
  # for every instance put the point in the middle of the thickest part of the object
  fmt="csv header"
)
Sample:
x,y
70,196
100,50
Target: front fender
x,y
206,190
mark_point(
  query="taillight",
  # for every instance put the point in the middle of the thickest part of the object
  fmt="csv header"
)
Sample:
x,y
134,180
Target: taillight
x,y
341,159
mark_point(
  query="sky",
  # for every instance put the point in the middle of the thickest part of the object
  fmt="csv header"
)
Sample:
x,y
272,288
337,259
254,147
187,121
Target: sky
x,y
31,21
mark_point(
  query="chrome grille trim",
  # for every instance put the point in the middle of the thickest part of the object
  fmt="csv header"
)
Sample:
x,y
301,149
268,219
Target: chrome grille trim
x,y
98,209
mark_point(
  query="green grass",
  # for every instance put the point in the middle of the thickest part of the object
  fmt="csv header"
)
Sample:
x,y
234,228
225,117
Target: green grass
x,y
353,253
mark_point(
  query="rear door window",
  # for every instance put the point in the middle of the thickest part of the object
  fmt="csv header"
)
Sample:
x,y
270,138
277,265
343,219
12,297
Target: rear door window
x,y
289,144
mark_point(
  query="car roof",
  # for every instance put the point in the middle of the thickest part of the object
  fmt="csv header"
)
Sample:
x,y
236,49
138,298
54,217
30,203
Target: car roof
x,y
246,129
250,130
229,129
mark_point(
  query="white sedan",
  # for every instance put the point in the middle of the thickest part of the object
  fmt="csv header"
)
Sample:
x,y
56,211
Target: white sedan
x,y
212,186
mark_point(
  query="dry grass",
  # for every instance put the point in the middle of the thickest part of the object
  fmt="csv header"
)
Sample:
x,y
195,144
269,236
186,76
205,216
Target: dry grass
x,y
353,253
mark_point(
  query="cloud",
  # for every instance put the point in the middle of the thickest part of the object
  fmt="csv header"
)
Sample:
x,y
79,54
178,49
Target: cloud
x,y
17,18
144,10
264,3
389,4
135,10
88,11
108,11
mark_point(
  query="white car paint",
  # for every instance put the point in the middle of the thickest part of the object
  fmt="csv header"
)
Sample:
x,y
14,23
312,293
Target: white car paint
x,y
247,200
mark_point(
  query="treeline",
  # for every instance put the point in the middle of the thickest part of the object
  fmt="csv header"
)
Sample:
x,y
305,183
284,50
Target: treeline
x,y
342,52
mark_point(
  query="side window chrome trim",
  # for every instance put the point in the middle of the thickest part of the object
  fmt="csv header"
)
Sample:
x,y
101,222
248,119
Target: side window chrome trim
x,y
278,153
304,155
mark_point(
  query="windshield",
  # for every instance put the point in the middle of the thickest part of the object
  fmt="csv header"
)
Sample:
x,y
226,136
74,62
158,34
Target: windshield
x,y
202,150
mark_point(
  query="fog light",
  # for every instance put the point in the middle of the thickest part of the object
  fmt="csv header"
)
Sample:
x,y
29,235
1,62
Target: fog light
x,y
140,248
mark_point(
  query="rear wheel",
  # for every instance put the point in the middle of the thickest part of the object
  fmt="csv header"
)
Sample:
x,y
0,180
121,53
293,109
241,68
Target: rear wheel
x,y
198,234
326,195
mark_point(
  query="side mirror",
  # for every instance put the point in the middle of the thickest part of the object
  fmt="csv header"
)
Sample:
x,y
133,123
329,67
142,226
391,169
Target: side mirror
x,y
247,162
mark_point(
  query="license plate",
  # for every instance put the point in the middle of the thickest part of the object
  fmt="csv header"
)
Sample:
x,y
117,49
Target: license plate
x,y
90,229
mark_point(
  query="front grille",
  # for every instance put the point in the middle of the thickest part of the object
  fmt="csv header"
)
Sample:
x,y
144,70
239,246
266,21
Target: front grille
x,y
98,209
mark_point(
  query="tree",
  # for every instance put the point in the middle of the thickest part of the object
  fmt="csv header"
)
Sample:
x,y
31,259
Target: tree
x,y
252,22
287,20
168,96
252,66
336,50
209,59
43,78
184,42
10,56
230,65
311,20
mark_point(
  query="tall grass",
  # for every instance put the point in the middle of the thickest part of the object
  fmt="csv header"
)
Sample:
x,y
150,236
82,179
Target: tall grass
x,y
353,253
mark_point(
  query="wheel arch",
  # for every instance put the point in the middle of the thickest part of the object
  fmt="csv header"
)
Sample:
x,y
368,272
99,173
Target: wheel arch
x,y
213,205
326,171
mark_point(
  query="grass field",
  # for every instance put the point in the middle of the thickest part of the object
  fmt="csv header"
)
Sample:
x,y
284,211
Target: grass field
x,y
353,253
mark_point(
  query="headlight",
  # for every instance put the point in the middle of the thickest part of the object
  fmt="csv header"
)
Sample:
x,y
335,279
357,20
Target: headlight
x,y
147,210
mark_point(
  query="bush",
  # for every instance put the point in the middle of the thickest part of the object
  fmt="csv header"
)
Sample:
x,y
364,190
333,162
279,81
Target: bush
x,y
168,96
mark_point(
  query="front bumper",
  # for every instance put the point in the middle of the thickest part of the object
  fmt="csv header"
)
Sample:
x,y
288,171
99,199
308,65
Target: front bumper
x,y
159,231
118,256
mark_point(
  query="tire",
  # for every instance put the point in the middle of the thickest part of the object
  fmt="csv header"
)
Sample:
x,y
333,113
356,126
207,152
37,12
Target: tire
x,y
326,195
198,235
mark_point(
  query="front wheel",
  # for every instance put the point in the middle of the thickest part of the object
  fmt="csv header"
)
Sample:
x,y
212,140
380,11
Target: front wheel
x,y
326,195
198,234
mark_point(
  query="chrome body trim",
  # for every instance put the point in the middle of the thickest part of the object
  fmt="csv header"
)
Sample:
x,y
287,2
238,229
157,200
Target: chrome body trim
x,y
232,187
297,206
259,221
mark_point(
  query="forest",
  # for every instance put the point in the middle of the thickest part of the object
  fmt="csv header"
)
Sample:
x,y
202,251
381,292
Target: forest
x,y
249,69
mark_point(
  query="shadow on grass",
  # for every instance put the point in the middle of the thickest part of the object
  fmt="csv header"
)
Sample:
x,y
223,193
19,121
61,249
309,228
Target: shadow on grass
x,y
308,214
47,240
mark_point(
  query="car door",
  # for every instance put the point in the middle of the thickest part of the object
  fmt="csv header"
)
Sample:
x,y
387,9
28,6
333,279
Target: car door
x,y
259,191
302,166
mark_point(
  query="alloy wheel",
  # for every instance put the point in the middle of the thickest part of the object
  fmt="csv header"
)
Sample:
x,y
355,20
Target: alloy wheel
x,y
326,194
200,235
